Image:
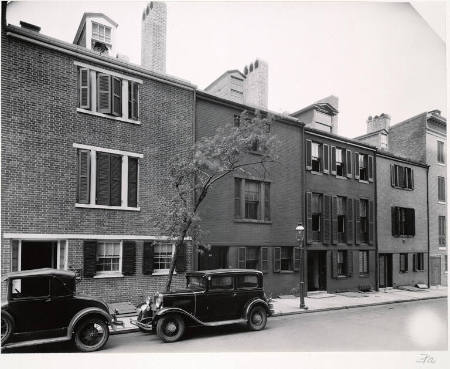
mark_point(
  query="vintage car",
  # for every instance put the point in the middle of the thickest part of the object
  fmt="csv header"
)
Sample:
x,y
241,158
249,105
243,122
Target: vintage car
x,y
42,307
211,298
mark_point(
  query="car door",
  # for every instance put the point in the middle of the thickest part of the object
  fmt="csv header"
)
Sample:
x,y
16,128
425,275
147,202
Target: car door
x,y
218,302
247,288
61,307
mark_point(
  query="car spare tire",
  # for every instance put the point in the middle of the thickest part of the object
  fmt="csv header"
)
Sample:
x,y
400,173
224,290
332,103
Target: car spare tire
x,y
91,334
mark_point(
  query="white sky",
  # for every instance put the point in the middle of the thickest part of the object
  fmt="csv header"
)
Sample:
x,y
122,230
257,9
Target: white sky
x,y
376,57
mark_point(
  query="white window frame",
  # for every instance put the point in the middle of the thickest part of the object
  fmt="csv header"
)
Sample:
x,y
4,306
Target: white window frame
x,y
59,243
108,273
163,271
104,33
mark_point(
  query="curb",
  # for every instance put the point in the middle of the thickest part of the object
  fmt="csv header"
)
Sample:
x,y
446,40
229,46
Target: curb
x,y
357,306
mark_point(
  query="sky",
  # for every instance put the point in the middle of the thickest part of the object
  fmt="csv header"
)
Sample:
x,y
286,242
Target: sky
x,y
377,57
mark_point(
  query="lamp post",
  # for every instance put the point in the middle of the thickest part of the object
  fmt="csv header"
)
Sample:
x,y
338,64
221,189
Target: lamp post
x,y
300,236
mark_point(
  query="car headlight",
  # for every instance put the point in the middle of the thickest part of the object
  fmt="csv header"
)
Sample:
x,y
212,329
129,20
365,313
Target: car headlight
x,y
147,300
158,301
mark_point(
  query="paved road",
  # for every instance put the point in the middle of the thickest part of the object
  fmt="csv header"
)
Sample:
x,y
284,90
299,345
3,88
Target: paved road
x,y
420,325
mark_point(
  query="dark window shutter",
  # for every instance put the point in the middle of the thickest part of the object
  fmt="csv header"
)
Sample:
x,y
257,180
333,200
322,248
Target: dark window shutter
x,y
349,271
333,160
276,259
411,222
104,93
296,259
412,179
135,101
308,155
89,258
326,159
116,180
264,259
357,221
130,100
85,96
242,257
415,262
84,171
308,217
327,220
334,266
237,198
349,164
334,221
370,168
349,218
132,181
356,165
392,175
180,264
116,96
147,262
14,255
103,179
394,221
128,258
406,262
371,223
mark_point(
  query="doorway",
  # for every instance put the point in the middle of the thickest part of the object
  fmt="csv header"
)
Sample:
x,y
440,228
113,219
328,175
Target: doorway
x,y
317,270
385,270
38,254
435,270
216,258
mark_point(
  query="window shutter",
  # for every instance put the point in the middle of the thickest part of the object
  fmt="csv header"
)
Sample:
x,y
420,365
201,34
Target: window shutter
x,y
415,262
116,180
147,262
103,179
84,92
276,259
308,218
334,266
84,171
349,271
308,155
14,255
333,160
334,222
116,96
237,198
132,181
371,223
406,262
89,258
412,179
356,165
180,264
326,159
242,253
350,226
135,101
296,259
327,220
370,168
411,222
394,221
392,175
104,93
128,258
349,164
264,259
357,221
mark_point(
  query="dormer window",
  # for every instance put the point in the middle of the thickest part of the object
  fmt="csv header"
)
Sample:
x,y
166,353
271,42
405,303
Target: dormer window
x,y
101,33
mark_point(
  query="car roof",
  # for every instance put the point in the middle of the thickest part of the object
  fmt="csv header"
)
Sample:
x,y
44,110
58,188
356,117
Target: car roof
x,y
40,272
224,271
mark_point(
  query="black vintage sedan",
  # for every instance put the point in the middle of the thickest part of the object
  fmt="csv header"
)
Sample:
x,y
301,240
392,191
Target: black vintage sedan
x,y
211,298
42,307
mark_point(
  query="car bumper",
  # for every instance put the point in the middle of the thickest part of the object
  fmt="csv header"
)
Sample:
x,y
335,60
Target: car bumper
x,y
146,325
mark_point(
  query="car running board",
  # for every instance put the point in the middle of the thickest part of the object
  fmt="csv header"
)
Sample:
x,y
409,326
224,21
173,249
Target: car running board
x,y
35,342
224,322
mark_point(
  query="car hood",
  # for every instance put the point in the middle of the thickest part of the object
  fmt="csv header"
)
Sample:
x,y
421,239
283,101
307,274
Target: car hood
x,y
179,292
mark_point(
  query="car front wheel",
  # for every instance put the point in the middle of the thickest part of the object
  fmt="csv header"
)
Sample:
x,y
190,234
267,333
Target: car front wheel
x,y
7,327
257,318
170,328
91,334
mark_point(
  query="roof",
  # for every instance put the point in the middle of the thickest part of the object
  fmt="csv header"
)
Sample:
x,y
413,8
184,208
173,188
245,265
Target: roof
x,y
224,271
223,74
83,21
40,272
389,155
374,133
333,136
328,104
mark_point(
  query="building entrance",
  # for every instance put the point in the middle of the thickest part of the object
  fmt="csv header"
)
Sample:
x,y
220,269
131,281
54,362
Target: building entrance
x,y
385,270
216,258
317,270
39,254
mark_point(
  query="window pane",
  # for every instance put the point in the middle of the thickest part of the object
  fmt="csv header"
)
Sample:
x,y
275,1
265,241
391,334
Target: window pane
x,y
108,256
220,283
31,287
247,281
315,150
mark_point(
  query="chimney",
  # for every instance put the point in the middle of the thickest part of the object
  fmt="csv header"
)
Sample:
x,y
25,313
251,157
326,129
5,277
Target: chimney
x,y
30,26
256,84
153,36
378,123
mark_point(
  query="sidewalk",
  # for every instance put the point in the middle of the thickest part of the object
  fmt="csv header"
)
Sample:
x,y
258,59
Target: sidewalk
x,y
288,305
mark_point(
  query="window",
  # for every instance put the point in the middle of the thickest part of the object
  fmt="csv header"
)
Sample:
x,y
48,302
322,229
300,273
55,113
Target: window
x,y
364,262
403,221
383,142
264,259
101,33
286,258
364,220
246,281
441,189
440,152
252,199
108,94
341,263
248,257
221,283
419,264
442,226
316,157
33,287
115,178
162,256
237,120
402,177
445,263
316,209
109,256
340,212
340,162
363,167
403,263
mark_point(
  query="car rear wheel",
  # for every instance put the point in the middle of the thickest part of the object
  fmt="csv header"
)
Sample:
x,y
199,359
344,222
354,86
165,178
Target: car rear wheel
x,y
257,318
91,334
170,328
7,326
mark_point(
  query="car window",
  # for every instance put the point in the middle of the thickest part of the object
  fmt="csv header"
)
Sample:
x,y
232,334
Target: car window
x,y
196,283
62,287
30,287
221,283
247,281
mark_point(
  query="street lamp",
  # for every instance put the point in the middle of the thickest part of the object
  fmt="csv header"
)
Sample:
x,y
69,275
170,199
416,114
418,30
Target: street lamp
x,y
300,236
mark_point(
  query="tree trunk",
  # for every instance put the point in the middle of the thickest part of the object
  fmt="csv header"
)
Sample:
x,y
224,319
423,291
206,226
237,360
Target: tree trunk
x,y
180,243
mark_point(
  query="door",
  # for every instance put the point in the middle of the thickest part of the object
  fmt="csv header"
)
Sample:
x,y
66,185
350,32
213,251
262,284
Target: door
x,y
385,270
317,271
216,258
219,302
435,270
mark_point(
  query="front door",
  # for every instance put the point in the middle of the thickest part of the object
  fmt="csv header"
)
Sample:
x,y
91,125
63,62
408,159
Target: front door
x,y
435,270
385,270
317,271
38,254
216,258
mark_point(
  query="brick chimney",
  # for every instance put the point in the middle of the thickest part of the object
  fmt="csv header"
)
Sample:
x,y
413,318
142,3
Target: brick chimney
x,y
378,123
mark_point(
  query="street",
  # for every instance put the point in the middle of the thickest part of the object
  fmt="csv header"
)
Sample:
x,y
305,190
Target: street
x,y
420,325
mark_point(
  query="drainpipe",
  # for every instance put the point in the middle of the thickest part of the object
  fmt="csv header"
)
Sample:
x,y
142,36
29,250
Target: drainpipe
x,y
376,223
4,6
428,230
194,140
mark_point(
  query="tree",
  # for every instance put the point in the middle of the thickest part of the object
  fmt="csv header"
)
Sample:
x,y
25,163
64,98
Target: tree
x,y
247,144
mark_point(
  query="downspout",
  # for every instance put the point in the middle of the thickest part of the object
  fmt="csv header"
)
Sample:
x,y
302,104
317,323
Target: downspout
x,y
303,199
428,229
376,223
4,6
194,140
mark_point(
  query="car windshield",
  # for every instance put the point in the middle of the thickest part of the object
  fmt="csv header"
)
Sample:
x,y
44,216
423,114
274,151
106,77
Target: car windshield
x,y
196,283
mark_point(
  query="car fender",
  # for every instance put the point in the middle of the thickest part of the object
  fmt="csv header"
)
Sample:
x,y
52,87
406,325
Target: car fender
x,y
255,302
86,312
165,311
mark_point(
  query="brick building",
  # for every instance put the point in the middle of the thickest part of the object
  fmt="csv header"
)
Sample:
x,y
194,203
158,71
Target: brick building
x,y
86,139
250,219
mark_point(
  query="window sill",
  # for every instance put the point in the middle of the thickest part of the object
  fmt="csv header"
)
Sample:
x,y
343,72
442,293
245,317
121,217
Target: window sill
x,y
365,275
90,206
316,173
420,270
403,188
121,119
363,181
442,248
442,202
343,277
441,164
286,271
163,272
341,177
403,271
255,221
108,275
